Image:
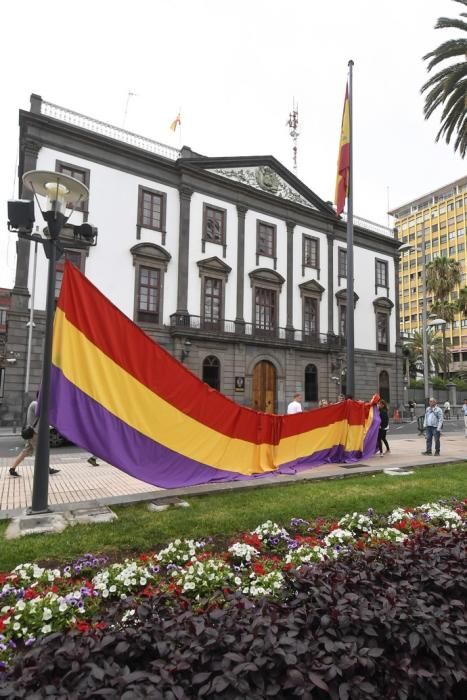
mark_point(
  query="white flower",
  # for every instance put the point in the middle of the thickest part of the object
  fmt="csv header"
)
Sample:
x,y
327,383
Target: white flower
x,y
47,614
45,629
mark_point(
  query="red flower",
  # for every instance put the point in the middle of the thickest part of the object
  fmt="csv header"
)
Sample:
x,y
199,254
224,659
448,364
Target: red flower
x,y
82,626
30,593
259,569
252,540
143,557
100,625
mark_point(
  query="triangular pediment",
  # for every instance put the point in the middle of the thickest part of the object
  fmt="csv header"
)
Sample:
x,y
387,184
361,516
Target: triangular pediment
x,y
214,264
312,287
263,173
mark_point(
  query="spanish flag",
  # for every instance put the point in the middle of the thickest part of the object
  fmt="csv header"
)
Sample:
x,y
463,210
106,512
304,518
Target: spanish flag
x,y
176,122
124,398
343,161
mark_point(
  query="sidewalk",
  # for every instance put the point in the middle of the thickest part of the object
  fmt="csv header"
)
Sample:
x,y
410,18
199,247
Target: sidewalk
x,y
80,483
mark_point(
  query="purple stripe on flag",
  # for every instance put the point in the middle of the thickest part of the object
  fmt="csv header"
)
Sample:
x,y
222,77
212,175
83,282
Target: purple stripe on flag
x,y
369,443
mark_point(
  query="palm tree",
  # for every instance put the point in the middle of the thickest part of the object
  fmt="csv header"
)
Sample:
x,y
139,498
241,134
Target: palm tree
x,y
442,276
446,310
462,301
434,344
448,87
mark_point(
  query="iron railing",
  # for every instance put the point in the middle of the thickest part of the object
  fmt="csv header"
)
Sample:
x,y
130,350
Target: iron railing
x,y
235,329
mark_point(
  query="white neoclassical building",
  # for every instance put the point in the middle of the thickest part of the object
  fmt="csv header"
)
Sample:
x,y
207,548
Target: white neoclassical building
x,y
232,263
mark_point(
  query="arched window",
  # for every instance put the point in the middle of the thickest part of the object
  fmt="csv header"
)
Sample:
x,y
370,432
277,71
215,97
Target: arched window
x,y
212,371
311,383
384,385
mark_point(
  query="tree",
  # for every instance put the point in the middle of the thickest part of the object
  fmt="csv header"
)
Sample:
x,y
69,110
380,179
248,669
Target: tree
x,y
448,87
442,276
434,344
462,301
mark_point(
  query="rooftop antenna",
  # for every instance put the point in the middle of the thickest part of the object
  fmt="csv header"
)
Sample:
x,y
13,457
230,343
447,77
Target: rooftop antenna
x,y
130,94
292,123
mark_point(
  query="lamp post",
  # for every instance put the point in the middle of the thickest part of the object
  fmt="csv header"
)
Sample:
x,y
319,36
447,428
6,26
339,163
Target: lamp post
x,y
426,369
62,192
440,324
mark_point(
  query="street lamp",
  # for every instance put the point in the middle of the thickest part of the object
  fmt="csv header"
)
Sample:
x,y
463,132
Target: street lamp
x,y
440,325
421,249
62,192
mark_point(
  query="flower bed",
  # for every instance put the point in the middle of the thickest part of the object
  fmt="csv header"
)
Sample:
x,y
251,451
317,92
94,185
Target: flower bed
x,y
307,610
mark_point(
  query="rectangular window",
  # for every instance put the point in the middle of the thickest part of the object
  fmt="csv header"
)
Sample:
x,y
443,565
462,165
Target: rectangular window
x,y
212,303
80,174
149,295
381,273
310,252
342,319
434,228
342,262
266,239
382,332
151,209
72,256
265,310
3,313
214,225
310,316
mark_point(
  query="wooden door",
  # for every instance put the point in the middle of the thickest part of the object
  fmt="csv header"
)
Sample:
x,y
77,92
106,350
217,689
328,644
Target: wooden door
x,y
264,387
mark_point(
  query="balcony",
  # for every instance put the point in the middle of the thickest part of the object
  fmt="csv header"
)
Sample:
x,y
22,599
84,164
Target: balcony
x,y
196,326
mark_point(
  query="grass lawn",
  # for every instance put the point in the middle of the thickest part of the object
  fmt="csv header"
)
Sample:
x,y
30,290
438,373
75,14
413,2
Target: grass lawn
x,y
138,529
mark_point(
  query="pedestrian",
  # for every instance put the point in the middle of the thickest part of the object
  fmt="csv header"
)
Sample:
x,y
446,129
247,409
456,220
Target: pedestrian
x,y
433,423
464,407
295,406
447,410
383,428
412,407
323,403
32,421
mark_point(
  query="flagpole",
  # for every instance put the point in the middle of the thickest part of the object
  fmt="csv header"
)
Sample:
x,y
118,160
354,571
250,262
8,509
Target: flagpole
x,y
180,144
350,378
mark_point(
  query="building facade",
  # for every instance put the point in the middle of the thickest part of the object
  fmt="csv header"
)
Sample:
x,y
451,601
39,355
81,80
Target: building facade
x,y
231,263
440,219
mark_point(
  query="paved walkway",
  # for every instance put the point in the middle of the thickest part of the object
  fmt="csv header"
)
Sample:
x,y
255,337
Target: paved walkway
x,y
80,483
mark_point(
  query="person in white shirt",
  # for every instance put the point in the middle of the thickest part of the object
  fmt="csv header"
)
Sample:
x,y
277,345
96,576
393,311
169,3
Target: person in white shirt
x,y
447,410
464,407
295,406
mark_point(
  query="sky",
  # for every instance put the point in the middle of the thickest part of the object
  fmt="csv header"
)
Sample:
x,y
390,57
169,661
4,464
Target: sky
x,y
233,68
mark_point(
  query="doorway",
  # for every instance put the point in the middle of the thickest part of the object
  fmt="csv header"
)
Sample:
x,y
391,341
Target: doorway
x,y
384,385
264,387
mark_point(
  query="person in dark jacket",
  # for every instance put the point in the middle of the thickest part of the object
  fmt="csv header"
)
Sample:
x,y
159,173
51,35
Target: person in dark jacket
x,y
383,428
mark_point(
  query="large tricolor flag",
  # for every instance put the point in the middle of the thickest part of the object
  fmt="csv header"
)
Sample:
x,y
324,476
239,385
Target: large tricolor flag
x,y
343,161
121,396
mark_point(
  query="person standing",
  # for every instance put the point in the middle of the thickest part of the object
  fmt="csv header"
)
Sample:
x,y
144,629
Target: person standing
x,y
383,428
32,420
433,423
295,406
464,408
447,410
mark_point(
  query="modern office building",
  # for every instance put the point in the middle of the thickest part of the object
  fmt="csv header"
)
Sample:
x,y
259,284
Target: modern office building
x,y
232,263
441,217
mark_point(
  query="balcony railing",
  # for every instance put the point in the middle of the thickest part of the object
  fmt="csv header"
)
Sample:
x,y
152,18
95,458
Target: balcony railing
x,y
113,132
228,328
